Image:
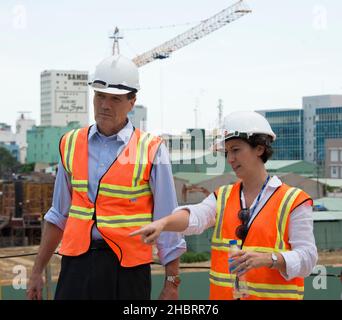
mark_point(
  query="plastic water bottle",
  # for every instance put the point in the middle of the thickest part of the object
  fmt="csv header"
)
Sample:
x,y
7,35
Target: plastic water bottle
x,y
233,247
240,289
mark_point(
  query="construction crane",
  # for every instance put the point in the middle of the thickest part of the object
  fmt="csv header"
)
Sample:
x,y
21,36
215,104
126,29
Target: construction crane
x,y
206,27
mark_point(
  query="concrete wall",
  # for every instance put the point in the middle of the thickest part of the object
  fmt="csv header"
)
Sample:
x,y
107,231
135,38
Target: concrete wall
x,y
328,234
195,286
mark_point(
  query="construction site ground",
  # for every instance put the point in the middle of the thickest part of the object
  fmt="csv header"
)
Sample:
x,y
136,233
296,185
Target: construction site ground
x,y
7,265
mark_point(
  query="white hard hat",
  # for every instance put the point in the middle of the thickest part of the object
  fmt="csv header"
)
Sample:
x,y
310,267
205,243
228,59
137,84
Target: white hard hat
x,y
243,124
116,75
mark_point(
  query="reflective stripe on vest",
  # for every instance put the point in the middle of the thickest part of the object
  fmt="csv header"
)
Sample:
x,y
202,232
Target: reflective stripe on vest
x,y
222,197
283,213
222,279
116,191
222,245
70,149
80,185
141,158
81,212
261,290
122,221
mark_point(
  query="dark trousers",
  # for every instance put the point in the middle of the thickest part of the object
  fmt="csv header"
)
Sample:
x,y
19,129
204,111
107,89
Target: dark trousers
x,y
97,275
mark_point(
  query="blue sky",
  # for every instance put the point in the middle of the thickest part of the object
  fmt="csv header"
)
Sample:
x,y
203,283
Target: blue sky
x,y
268,59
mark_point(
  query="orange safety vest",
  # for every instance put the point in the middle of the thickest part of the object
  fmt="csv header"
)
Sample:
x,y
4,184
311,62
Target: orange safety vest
x,y
124,201
268,232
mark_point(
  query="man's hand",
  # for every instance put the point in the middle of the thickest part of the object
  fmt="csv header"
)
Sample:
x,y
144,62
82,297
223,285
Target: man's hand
x,y
35,287
169,292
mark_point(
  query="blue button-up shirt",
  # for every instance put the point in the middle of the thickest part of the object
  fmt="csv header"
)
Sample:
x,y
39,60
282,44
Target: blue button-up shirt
x,y
102,150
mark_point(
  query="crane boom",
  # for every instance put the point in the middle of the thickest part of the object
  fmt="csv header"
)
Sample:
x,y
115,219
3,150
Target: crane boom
x,y
207,26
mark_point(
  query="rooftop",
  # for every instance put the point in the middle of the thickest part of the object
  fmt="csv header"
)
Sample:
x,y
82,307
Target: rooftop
x,y
331,204
327,215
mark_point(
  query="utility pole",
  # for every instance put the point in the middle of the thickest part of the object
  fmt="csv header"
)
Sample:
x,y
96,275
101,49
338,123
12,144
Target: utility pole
x,y
220,112
196,113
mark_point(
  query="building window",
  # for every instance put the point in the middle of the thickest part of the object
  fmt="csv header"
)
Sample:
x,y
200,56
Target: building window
x,y
334,172
334,155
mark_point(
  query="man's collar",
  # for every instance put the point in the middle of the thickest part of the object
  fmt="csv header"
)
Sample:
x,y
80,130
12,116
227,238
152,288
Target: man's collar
x,y
124,134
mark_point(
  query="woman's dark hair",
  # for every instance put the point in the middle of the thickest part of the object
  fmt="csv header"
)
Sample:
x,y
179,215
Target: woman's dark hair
x,y
261,140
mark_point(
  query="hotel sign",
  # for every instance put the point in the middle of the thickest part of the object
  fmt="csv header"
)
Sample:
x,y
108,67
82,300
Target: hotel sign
x,y
70,101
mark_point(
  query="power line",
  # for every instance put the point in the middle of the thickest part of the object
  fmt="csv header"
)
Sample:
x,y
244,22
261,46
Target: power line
x,y
160,27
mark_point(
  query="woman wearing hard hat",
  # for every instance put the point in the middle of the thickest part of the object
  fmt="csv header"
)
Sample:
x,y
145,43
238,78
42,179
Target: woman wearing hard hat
x,y
270,221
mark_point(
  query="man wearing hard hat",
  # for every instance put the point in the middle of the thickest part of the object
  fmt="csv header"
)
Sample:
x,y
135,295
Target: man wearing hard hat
x,y
112,179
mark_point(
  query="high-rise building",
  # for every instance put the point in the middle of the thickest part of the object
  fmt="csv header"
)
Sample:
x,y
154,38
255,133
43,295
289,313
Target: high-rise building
x,y
138,116
287,124
302,133
64,97
322,120
22,125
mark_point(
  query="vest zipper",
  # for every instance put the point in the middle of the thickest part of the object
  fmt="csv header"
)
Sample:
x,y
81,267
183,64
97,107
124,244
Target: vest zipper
x,y
94,217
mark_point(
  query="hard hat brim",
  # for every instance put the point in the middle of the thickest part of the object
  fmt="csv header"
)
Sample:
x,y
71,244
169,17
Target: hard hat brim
x,y
219,144
112,90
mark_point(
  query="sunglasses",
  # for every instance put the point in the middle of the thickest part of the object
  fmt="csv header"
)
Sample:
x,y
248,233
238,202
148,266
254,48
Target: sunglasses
x,y
242,230
99,84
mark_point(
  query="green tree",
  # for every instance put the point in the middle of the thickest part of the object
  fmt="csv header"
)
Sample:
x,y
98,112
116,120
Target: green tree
x,y
8,163
26,168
